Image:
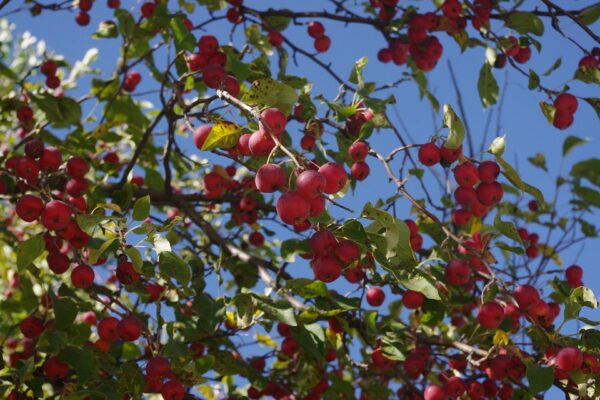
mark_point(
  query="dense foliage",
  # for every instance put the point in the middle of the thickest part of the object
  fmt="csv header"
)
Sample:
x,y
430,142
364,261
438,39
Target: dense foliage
x,y
190,239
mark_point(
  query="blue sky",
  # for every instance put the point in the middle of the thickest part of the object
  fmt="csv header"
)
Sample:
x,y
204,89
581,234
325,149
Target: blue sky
x,y
527,132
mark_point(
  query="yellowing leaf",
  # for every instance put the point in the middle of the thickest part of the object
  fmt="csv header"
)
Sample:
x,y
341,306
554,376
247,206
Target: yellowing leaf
x,y
265,340
550,252
207,392
223,135
501,338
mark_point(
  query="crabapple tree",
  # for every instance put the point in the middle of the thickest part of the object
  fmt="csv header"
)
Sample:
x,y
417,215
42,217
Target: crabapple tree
x,y
227,211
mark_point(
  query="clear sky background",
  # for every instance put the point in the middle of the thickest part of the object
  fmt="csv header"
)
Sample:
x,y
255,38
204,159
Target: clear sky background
x,y
527,131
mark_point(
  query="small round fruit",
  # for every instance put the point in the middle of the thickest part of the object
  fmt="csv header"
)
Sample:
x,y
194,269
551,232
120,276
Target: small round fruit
x,y
569,359
375,296
292,208
269,178
490,315
412,299
335,177
326,268
429,154
82,276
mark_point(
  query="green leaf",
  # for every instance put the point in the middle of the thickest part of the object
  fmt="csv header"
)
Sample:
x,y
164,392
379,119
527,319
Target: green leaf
x,y
540,378
65,311
391,238
571,142
96,253
455,126
588,195
588,75
7,72
82,360
534,80
281,311
588,169
174,267
89,222
539,160
589,15
61,112
223,135
106,30
184,40
525,22
423,285
356,73
554,67
293,246
579,298
507,228
277,22
135,257
266,92
595,103
548,110
516,180
29,250
307,288
141,208
203,364
487,86
498,145
258,40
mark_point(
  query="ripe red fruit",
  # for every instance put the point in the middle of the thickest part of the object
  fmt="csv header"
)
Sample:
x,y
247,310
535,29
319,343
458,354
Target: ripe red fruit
x,y
434,392
129,328
51,159
24,114
347,251
358,151
58,262
310,184
200,135
526,296
208,45
53,82
113,3
148,9
429,154
455,387
289,347
523,55
269,178
126,273
55,369
450,155
466,174
488,171
28,169
380,360
48,68
316,29
256,239
34,148
158,368
360,171
82,19
213,75
77,167
275,38
354,275
292,208
385,55
412,299
31,327
272,121
566,103
326,268
260,144
574,275
375,296
489,194
29,207
466,196
335,177
308,142
457,272
490,315
172,390
317,205
475,390
107,329
562,120
569,359
82,276
322,44
322,243
56,215
461,217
